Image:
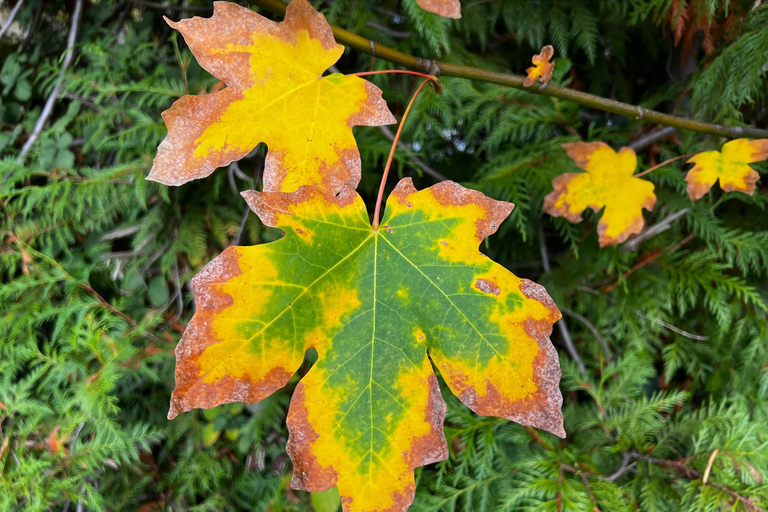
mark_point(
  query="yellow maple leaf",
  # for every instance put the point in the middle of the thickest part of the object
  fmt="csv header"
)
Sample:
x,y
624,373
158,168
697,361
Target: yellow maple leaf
x,y
730,166
445,8
607,183
542,68
275,94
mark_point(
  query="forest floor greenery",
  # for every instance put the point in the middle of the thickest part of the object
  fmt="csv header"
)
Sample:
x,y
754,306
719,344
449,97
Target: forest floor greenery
x,y
665,395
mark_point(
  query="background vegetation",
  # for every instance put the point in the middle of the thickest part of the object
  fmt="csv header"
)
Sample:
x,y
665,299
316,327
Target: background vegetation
x,y
666,394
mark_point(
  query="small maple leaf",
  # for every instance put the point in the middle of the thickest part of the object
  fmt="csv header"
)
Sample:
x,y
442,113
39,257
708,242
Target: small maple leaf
x,y
731,167
542,68
275,94
377,305
607,183
444,8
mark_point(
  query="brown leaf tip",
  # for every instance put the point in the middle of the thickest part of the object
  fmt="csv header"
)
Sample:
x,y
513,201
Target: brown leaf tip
x,y
444,8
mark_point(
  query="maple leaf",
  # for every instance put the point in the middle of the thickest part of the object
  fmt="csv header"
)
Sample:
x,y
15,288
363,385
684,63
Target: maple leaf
x,y
377,305
445,8
275,94
731,167
542,68
607,183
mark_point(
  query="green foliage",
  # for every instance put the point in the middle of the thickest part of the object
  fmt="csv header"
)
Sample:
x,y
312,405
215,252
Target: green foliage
x,y
95,264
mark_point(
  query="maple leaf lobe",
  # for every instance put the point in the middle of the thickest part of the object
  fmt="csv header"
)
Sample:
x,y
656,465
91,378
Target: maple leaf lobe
x,y
609,183
275,94
730,166
542,68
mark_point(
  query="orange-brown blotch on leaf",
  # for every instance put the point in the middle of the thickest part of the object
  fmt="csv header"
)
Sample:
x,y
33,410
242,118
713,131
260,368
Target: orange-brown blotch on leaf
x,y
275,93
444,8
730,166
607,183
542,68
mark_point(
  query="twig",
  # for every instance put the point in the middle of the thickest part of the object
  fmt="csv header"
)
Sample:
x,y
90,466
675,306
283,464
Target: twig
x,y
561,324
647,259
664,324
72,443
11,17
165,7
697,337
591,327
179,297
409,152
652,137
627,462
54,96
654,230
120,233
516,81
535,436
392,33
709,465
112,309
693,474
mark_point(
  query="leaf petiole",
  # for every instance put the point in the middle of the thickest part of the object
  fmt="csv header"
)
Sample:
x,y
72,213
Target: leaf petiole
x,y
379,198
662,164
433,78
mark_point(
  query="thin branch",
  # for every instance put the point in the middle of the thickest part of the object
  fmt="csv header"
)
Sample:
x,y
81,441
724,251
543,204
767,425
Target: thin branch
x,y
166,7
693,474
410,154
561,324
54,96
591,327
627,464
647,259
11,17
654,230
438,68
652,137
662,323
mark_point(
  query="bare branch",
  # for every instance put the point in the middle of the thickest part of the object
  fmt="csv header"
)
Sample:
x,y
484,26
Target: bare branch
x,y
54,96
11,17
662,323
661,226
409,152
652,137
591,327
561,324
166,7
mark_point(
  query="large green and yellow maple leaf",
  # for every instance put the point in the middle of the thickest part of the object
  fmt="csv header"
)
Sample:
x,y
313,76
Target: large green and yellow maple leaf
x,y
275,94
377,305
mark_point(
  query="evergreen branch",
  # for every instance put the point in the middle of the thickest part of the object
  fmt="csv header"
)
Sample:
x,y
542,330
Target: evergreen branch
x,y
438,68
693,474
